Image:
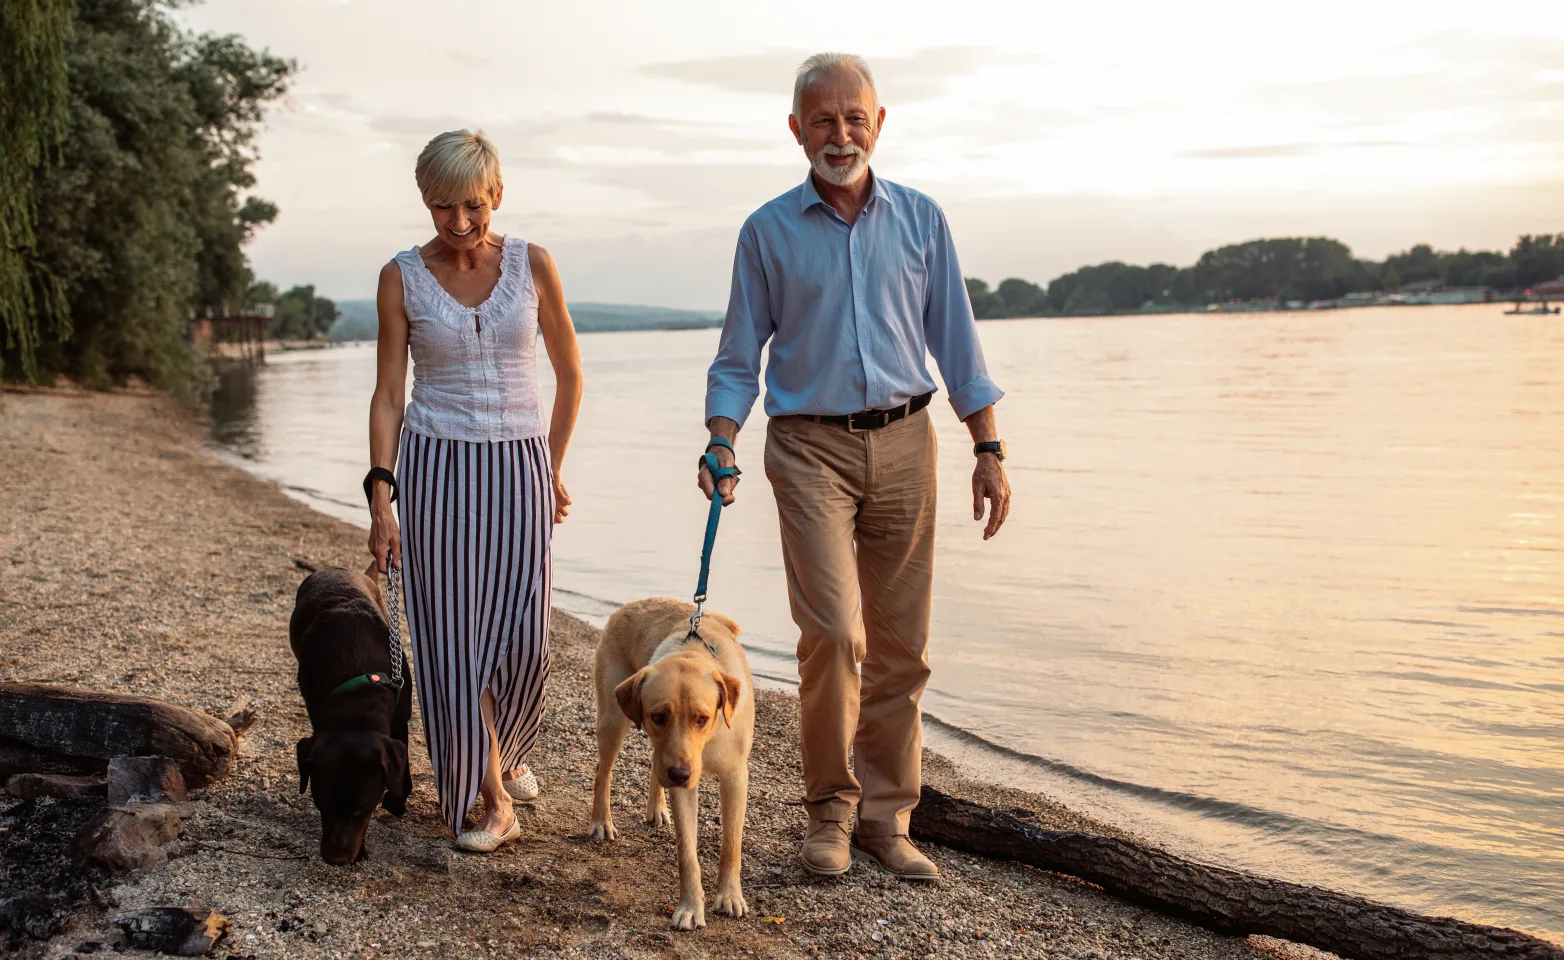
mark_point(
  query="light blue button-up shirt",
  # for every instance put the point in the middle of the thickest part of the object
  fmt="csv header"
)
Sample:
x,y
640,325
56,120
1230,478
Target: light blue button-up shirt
x,y
850,310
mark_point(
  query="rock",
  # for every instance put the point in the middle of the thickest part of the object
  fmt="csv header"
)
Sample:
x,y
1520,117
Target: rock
x,y
31,786
131,837
181,931
145,780
32,915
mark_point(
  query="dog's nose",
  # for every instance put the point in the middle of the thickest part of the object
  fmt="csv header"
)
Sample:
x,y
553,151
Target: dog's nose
x,y
679,774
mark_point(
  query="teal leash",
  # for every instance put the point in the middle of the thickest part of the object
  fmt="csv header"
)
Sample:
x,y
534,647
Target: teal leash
x,y
713,517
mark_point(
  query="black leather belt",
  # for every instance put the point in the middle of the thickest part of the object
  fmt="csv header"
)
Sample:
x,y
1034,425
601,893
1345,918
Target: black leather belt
x,y
871,419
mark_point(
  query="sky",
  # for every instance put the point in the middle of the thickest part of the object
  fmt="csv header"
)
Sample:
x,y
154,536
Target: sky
x,y
635,137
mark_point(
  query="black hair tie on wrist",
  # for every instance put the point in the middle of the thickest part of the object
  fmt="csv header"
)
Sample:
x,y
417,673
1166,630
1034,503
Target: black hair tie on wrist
x,y
378,473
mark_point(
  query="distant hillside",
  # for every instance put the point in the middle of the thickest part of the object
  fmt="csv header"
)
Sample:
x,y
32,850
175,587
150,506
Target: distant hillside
x,y
358,320
600,317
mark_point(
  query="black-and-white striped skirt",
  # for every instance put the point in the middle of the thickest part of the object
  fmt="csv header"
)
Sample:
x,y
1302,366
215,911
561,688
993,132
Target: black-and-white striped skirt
x,y
476,524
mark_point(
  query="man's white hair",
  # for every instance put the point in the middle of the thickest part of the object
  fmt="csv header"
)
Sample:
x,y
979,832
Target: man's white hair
x,y
823,65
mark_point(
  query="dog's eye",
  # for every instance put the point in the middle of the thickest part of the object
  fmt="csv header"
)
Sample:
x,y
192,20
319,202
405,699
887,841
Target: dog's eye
x,y
659,718
701,721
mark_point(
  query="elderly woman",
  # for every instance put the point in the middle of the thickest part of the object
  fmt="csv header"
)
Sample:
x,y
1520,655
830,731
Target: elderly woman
x,y
478,473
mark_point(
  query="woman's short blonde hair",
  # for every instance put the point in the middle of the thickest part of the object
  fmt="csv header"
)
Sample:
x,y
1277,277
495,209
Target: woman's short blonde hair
x,y
459,165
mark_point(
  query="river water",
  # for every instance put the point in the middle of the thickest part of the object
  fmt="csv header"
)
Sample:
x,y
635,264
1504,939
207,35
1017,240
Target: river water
x,y
1283,591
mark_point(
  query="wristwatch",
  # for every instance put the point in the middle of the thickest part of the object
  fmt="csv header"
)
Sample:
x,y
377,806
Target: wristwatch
x,y
996,447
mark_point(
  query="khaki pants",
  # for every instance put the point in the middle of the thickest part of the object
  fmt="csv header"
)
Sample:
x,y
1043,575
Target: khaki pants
x,y
857,517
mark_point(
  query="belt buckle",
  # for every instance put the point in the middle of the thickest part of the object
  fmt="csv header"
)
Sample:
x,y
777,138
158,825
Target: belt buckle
x,y
881,418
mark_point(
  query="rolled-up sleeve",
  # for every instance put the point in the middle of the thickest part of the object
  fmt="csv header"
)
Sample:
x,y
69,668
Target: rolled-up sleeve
x,y
733,382
951,329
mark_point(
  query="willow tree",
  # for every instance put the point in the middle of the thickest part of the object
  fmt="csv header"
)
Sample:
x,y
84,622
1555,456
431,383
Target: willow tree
x,y
146,206
33,34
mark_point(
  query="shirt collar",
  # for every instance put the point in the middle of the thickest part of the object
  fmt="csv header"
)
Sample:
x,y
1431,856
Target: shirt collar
x,y
811,196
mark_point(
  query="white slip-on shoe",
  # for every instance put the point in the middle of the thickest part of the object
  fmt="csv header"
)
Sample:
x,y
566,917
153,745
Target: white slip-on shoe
x,y
524,787
482,841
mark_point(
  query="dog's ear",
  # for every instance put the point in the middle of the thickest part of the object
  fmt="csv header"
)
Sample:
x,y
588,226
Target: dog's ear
x,y
302,751
393,756
727,695
628,694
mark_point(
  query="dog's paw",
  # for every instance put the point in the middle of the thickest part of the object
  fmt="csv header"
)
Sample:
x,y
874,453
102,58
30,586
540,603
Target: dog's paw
x,y
659,817
603,831
730,902
689,916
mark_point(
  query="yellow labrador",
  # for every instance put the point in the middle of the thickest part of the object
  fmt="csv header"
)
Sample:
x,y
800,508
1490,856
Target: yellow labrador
x,y
698,706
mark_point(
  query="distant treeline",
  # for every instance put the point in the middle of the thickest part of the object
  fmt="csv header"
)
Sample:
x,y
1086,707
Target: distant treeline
x,y
126,148
298,314
359,321
1289,269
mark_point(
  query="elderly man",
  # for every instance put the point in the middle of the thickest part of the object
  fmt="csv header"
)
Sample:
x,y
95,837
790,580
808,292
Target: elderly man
x,y
851,278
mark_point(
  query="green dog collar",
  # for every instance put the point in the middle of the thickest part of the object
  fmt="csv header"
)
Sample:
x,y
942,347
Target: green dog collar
x,y
368,680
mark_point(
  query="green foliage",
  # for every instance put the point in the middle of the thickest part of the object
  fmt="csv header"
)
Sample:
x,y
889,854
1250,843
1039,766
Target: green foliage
x,y
33,36
301,315
985,302
145,221
260,292
1537,259
1021,299
1294,268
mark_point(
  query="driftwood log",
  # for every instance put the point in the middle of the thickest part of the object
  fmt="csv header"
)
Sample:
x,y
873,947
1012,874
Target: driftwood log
x,y
240,715
54,729
1226,901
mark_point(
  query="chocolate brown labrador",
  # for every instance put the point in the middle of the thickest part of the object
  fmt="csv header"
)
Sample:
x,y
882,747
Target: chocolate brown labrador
x,y
356,758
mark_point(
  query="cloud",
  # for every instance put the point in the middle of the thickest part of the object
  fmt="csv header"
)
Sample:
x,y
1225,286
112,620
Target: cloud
x,y
1443,73
899,80
599,138
1269,150
707,187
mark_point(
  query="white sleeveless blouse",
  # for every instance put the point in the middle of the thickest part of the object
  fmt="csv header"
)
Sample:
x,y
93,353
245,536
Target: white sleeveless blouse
x,y
474,368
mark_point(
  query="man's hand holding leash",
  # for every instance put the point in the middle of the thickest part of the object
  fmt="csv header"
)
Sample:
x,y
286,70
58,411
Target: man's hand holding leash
x,y
723,434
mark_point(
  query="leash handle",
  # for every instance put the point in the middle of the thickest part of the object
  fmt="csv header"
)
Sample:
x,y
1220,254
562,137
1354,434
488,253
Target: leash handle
x,y
393,614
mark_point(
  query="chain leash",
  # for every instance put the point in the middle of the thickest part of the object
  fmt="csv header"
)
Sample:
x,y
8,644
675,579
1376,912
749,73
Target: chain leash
x,y
393,610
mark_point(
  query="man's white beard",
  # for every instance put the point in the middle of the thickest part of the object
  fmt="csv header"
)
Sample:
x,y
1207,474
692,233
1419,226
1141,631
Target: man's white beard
x,y
840,176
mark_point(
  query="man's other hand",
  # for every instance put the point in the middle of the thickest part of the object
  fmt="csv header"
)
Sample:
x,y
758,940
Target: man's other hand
x,y
989,483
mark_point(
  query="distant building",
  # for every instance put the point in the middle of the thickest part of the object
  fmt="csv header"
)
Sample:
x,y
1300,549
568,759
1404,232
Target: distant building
x,y
1456,295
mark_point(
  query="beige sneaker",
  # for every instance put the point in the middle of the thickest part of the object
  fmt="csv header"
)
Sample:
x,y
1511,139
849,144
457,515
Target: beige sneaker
x,y
896,856
826,850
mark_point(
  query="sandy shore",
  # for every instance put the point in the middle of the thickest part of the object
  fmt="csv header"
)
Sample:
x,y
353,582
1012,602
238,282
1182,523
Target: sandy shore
x,y
132,560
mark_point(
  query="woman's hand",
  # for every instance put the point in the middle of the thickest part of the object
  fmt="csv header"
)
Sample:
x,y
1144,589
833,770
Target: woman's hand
x,y
562,500
384,536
